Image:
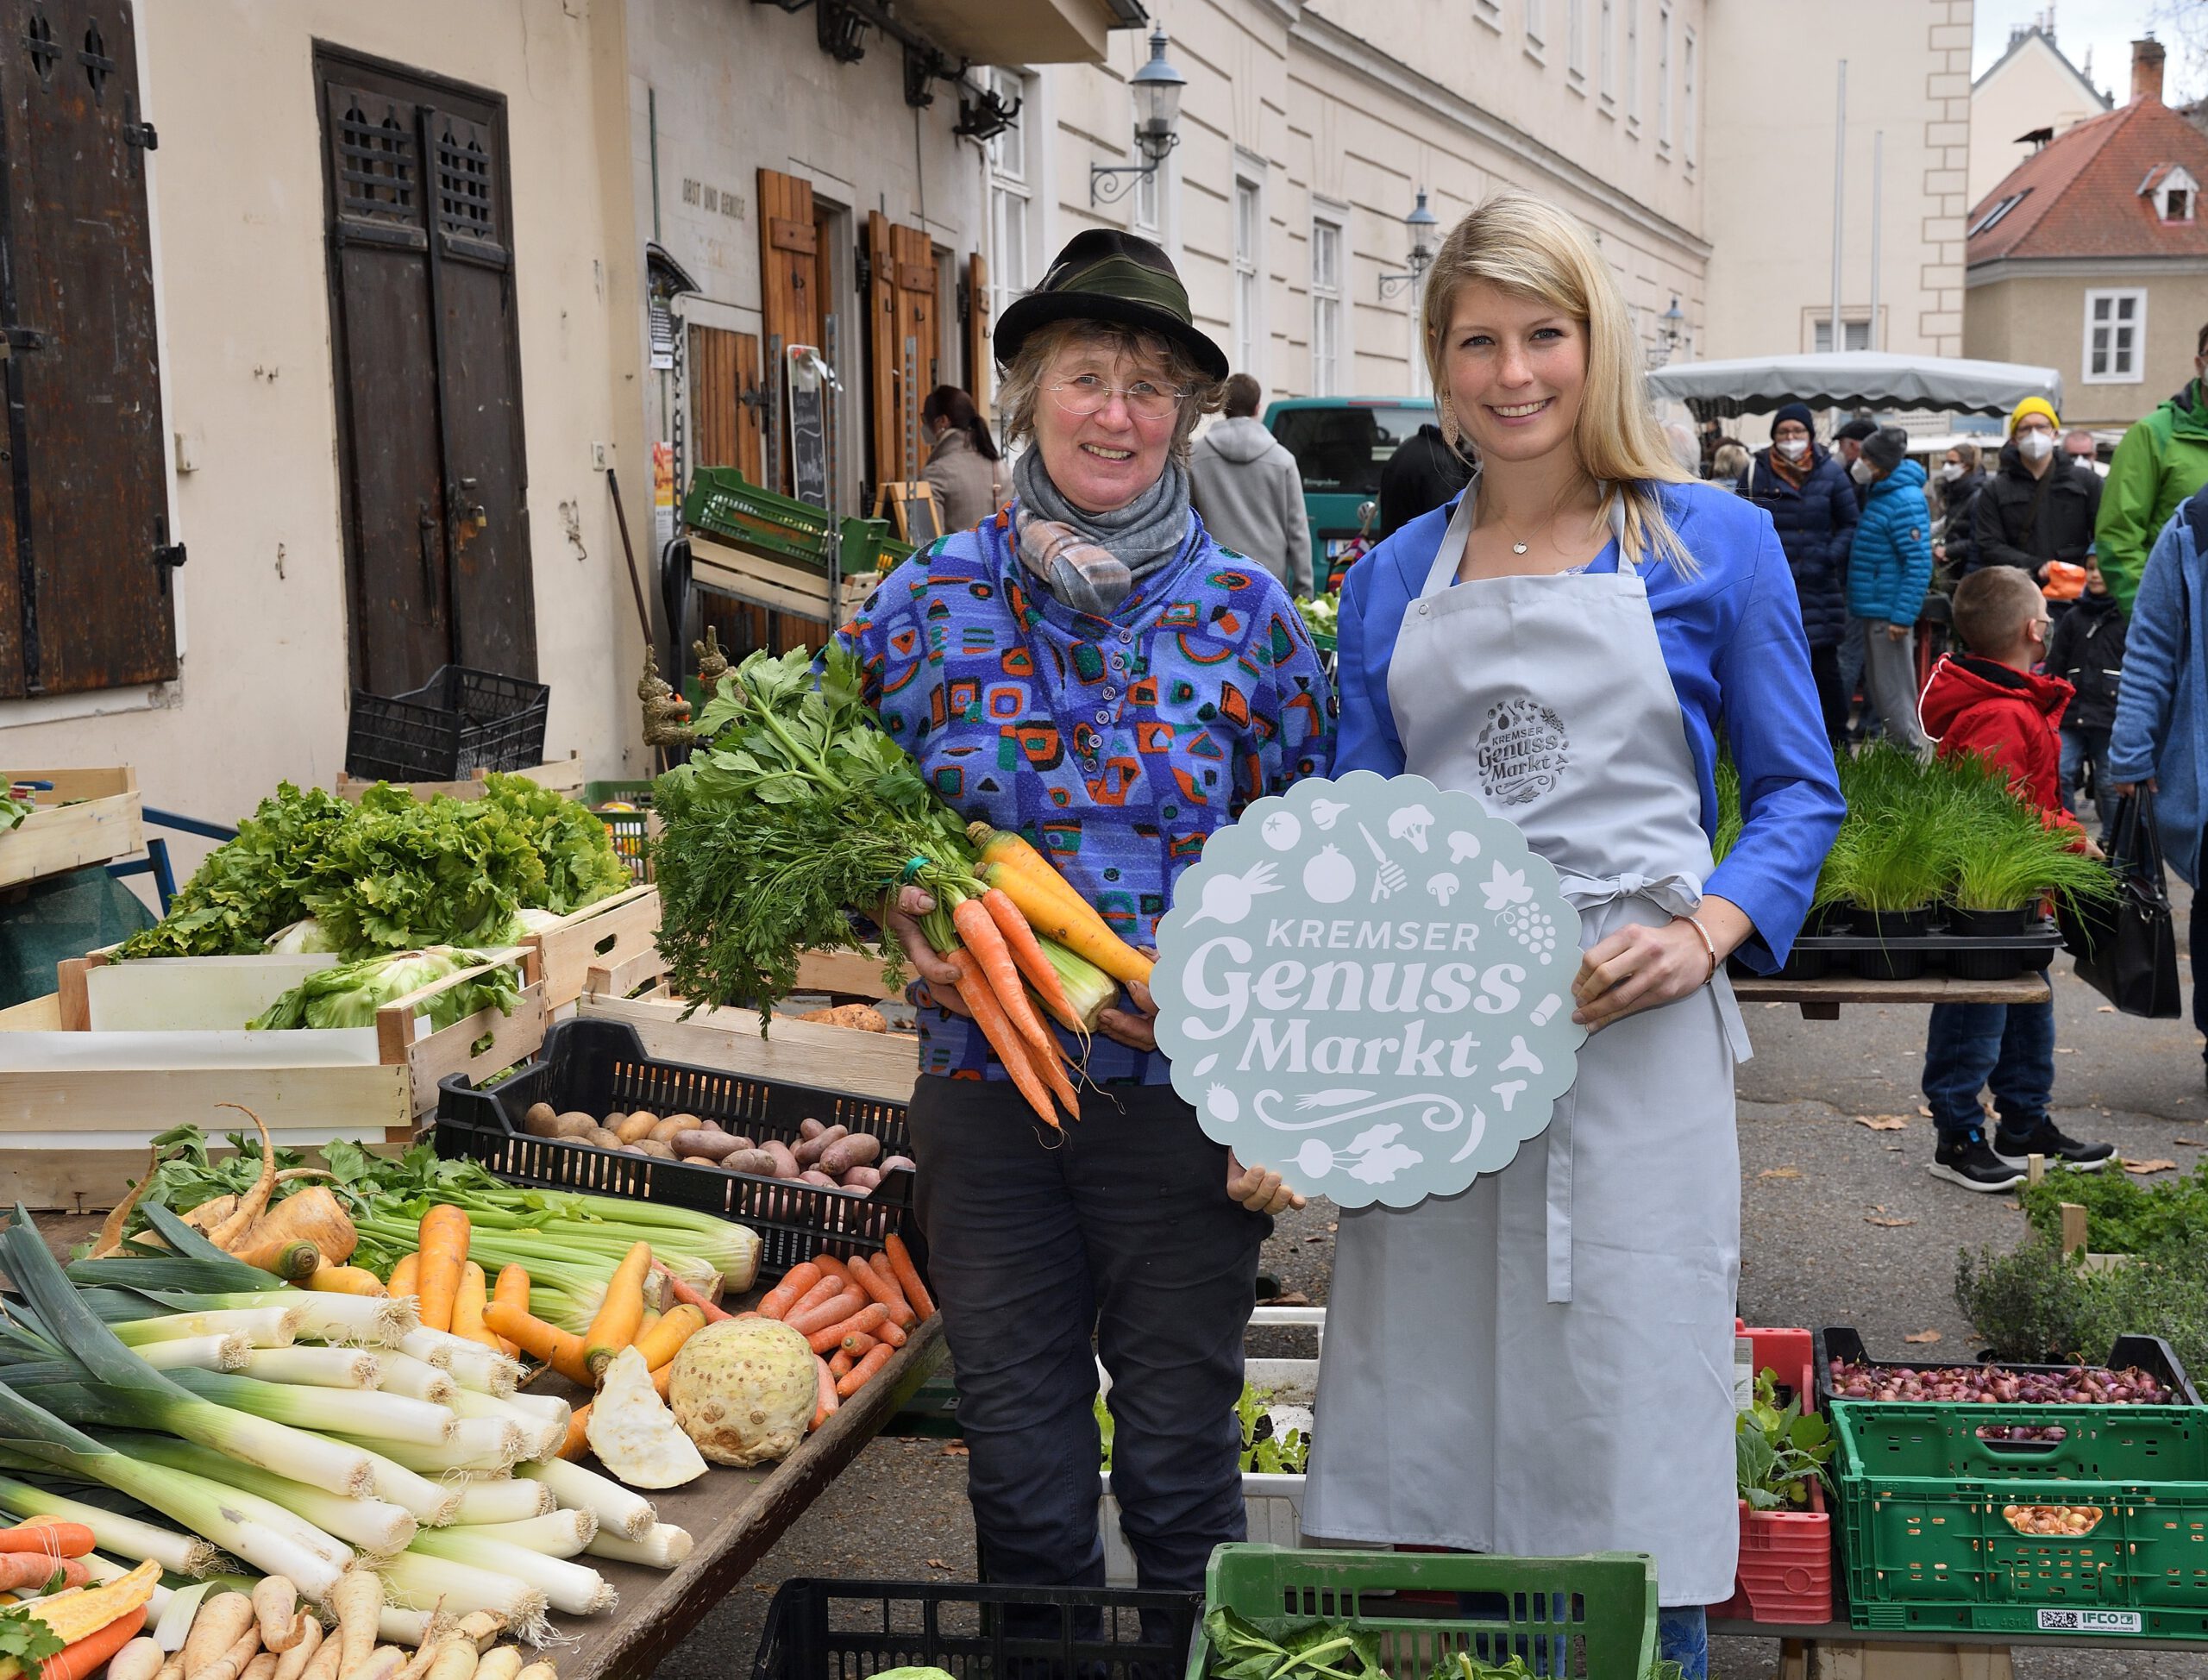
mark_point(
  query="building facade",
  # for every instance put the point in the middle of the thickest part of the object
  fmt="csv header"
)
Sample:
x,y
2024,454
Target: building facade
x,y
2031,88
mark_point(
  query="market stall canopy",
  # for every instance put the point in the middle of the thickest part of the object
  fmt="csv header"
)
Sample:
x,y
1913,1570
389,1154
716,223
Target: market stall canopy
x,y
1853,378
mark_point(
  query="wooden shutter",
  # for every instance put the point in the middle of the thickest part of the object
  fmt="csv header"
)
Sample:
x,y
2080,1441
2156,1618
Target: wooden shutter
x,y
84,603
918,348
980,353
789,285
724,428
881,352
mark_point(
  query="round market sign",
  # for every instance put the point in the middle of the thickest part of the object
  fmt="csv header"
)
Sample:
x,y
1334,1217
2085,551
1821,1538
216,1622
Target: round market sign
x,y
1366,984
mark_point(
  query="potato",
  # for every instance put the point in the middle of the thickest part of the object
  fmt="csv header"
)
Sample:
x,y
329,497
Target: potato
x,y
809,1150
859,1149
810,1128
699,1160
637,1126
785,1163
658,1151
712,1144
893,1164
743,1142
574,1122
663,1129
756,1162
601,1138
814,1176
542,1120
862,1178
612,1122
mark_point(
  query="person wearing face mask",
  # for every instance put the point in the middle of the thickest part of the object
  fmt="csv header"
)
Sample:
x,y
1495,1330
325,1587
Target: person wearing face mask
x,y
1811,501
2162,460
2078,444
1889,568
2040,505
1960,482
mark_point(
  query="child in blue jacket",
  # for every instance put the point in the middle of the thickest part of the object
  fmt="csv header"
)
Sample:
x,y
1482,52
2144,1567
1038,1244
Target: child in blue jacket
x,y
1889,568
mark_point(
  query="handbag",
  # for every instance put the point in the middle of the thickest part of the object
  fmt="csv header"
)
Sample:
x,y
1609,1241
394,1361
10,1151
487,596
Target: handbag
x,y
2126,946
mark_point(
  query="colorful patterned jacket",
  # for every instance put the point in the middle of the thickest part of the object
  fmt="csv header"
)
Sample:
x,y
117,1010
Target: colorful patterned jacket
x,y
1114,745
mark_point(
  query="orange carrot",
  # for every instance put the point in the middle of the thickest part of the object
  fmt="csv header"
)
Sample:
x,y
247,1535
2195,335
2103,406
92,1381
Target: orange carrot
x,y
887,1331
90,1654
444,1252
406,1276
787,1293
557,1347
830,1337
832,1266
858,1343
821,1292
577,1441
839,1363
907,1276
987,948
512,1288
876,1281
621,1314
21,1571
1003,1039
834,1312
55,1539
1027,952
468,1307
828,1401
690,1295
863,1371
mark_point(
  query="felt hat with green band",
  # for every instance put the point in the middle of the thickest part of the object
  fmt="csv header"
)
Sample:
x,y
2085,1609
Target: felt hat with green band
x,y
1106,275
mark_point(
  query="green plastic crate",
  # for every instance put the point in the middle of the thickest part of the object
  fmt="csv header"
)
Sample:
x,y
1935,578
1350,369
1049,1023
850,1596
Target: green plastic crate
x,y
629,829
1927,1546
726,506
1589,1618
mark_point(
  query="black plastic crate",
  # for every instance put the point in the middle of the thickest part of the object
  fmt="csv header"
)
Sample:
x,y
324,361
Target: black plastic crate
x,y
599,1067
459,722
1961,955
2149,1353
846,1630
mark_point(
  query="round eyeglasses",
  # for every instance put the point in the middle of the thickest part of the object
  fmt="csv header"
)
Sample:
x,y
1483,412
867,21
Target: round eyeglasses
x,y
1085,394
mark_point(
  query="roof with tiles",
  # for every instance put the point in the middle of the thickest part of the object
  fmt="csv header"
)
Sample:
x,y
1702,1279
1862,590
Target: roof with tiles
x,y
2090,193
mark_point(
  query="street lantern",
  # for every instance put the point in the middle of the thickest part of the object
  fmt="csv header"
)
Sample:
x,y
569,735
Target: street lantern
x,y
1156,89
1420,225
1675,325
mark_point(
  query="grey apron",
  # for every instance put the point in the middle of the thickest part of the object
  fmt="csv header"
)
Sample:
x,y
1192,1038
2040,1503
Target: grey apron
x,y
1544,1364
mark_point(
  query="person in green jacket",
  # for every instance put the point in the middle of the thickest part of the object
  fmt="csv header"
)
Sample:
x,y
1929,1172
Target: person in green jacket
x,y
2162,460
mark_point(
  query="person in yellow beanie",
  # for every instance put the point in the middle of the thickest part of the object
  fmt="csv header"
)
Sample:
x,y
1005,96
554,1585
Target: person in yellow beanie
x,y
2040,505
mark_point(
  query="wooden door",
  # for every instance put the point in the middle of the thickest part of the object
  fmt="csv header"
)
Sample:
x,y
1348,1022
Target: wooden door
x,y
432,464
790,288
722,367
84,571
903,349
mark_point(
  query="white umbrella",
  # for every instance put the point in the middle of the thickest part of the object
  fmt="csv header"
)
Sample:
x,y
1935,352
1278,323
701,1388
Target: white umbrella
x,y
1854,378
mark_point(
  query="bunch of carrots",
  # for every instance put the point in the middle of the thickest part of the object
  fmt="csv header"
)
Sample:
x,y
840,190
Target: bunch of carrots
x,y
1029,949
83,1625
855,1313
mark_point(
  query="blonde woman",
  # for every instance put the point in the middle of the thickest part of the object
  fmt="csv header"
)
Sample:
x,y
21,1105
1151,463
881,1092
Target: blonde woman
x,y
1545,1363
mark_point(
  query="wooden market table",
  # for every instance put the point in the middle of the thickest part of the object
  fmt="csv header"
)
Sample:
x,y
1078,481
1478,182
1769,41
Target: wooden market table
x,y
1821,999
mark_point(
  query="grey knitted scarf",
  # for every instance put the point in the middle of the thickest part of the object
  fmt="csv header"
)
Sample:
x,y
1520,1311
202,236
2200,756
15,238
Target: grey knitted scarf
x,y
1090,561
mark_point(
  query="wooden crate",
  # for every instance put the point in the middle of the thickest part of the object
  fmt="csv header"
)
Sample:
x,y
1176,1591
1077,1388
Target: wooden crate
x,y
89,817
778,586
849,974
866,1064
78,1105
618,934
562,775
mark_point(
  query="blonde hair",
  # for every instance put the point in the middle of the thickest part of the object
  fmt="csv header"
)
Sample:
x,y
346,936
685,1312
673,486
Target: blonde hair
x,y
1020,386
1526,245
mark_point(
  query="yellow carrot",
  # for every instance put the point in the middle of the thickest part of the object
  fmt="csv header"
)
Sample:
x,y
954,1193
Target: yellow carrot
x,y
346,1281
664,1340
513,1286
1052,916
444,1252
468,1306
622,1313
406,1276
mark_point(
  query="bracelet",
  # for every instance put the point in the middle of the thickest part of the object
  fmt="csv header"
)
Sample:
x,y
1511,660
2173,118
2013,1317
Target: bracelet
x,y
1707,944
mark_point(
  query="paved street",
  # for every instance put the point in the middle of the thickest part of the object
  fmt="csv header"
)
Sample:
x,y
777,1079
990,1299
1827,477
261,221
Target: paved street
x,y
1812,1181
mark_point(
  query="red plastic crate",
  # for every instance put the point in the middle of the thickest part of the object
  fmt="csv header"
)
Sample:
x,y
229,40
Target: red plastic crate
x,y
1785,1574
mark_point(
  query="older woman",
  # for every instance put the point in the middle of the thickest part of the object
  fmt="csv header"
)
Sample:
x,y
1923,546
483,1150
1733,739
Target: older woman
x,y
1086,668
1579,581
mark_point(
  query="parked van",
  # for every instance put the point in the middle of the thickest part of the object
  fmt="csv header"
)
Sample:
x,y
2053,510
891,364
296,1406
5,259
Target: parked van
x,y
1340,443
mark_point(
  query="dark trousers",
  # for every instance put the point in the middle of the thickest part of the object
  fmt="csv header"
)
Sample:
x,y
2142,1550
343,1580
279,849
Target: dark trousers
x,y
2082,748
1832,692
2196,936
2007,1046
1121,1227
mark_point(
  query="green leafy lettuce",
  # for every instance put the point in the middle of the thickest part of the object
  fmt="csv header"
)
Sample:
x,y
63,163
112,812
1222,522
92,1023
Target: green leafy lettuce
x,y
1777,1451
580,865
250,886
404,873
351,993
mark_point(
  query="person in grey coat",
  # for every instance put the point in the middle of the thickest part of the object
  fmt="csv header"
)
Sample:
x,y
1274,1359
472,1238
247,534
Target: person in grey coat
x,y
1248,491
964,467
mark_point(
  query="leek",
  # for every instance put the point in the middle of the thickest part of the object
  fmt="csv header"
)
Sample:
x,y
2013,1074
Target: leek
x,y
499,1499
361,1412
619,1510
554,1533
175,1621
206,1353
548,1408
417,1379
369,1321
426,1501
542,1434
476,1443
263,1326
126,1537
574,1588
370,1524
663,1546
312,1367
417,1580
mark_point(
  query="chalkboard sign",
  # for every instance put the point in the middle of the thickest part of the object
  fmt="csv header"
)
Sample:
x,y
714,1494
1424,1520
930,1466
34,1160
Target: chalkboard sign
x,y
911,508
808,379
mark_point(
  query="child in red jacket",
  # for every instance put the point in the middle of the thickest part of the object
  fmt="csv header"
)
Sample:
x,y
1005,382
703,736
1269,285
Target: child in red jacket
x,y
1990,702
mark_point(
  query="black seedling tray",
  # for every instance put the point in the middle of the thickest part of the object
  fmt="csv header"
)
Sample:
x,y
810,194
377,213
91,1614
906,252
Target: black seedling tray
x,y
2150,1354
599,1067
1962,955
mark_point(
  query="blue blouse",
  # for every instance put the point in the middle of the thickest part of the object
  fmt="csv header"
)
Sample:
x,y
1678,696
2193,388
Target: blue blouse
x,y
1732,639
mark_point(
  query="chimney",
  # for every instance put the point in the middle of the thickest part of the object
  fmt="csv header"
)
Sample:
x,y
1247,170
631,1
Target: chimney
x,y
2147,71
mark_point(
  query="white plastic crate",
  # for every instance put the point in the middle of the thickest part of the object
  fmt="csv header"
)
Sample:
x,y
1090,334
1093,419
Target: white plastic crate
x,y
1274,1503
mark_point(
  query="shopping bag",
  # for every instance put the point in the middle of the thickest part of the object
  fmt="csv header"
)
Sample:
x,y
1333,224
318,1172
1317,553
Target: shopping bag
x,y
2126,947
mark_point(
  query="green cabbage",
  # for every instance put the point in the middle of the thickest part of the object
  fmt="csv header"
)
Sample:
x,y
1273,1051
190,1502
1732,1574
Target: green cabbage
x,y
350,994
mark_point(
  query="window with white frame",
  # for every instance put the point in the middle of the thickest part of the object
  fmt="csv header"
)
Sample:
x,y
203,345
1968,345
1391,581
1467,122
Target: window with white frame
x,y
1146,196
1854,335
2115,330
1009,198
1663,78
1249,228
1688,111
1605,51
1326,306
1575,39
1536,34
1632,64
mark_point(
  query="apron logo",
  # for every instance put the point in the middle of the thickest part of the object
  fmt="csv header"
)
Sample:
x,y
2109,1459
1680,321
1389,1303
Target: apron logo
x,y
1521,752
